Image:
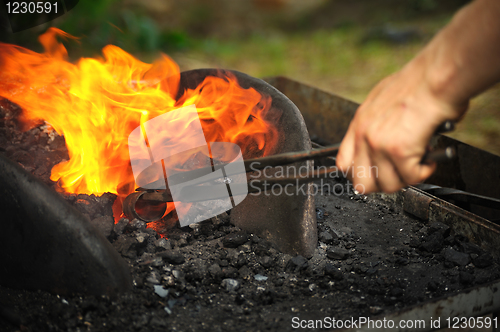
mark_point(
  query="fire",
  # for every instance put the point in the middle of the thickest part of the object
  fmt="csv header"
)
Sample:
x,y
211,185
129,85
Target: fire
x,y
96,103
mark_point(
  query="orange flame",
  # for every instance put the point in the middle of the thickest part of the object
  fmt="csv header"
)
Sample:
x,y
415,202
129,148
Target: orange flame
x,y
96,103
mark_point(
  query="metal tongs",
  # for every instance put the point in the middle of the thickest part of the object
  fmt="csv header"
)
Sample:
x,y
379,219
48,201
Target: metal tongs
x,y
198,190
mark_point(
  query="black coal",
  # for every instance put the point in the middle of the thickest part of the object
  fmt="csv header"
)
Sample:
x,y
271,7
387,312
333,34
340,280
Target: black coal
x,y
371,259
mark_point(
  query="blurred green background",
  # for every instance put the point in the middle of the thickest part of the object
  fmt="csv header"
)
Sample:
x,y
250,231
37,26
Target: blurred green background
x,y
344,47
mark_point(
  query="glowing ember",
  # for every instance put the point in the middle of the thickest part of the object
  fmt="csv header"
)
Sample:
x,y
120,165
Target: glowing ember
x,y
96,103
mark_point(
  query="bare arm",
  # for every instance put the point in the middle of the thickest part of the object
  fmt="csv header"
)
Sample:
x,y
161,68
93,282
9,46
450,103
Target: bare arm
x,y
388,136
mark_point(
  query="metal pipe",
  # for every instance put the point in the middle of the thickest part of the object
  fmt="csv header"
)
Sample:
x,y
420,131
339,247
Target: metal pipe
x,y
131,201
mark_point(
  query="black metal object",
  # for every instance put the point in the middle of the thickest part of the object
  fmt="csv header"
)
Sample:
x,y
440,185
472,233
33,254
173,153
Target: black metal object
x,y
473,170
46,244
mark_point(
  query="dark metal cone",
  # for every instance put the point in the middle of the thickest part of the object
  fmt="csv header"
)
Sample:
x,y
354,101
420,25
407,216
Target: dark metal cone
x,y
46,244
289,221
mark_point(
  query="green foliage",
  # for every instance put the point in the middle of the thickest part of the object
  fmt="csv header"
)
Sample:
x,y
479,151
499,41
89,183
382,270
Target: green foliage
x,y
141,34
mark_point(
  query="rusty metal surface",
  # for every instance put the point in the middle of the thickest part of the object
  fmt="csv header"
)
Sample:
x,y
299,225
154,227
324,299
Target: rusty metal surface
x,y
417,203
287,221
468,303
46,244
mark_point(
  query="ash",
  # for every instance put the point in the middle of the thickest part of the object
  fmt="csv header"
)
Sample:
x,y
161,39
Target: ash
x,y
371,259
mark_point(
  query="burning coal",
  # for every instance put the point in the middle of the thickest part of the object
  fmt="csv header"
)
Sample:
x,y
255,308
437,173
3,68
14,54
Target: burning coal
x,y
96,103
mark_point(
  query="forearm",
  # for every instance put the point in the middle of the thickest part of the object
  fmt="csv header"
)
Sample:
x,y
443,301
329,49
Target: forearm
x,y
464,58
391,129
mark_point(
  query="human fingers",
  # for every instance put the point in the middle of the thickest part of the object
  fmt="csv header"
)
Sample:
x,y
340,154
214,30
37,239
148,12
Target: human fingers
x,y
345,155
414,170
363,170
385,173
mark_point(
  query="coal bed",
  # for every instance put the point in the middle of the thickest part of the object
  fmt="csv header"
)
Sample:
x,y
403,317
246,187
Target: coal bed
x,y
371,259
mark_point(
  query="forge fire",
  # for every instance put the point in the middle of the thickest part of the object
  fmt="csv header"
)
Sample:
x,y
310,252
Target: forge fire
x,y
96,103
